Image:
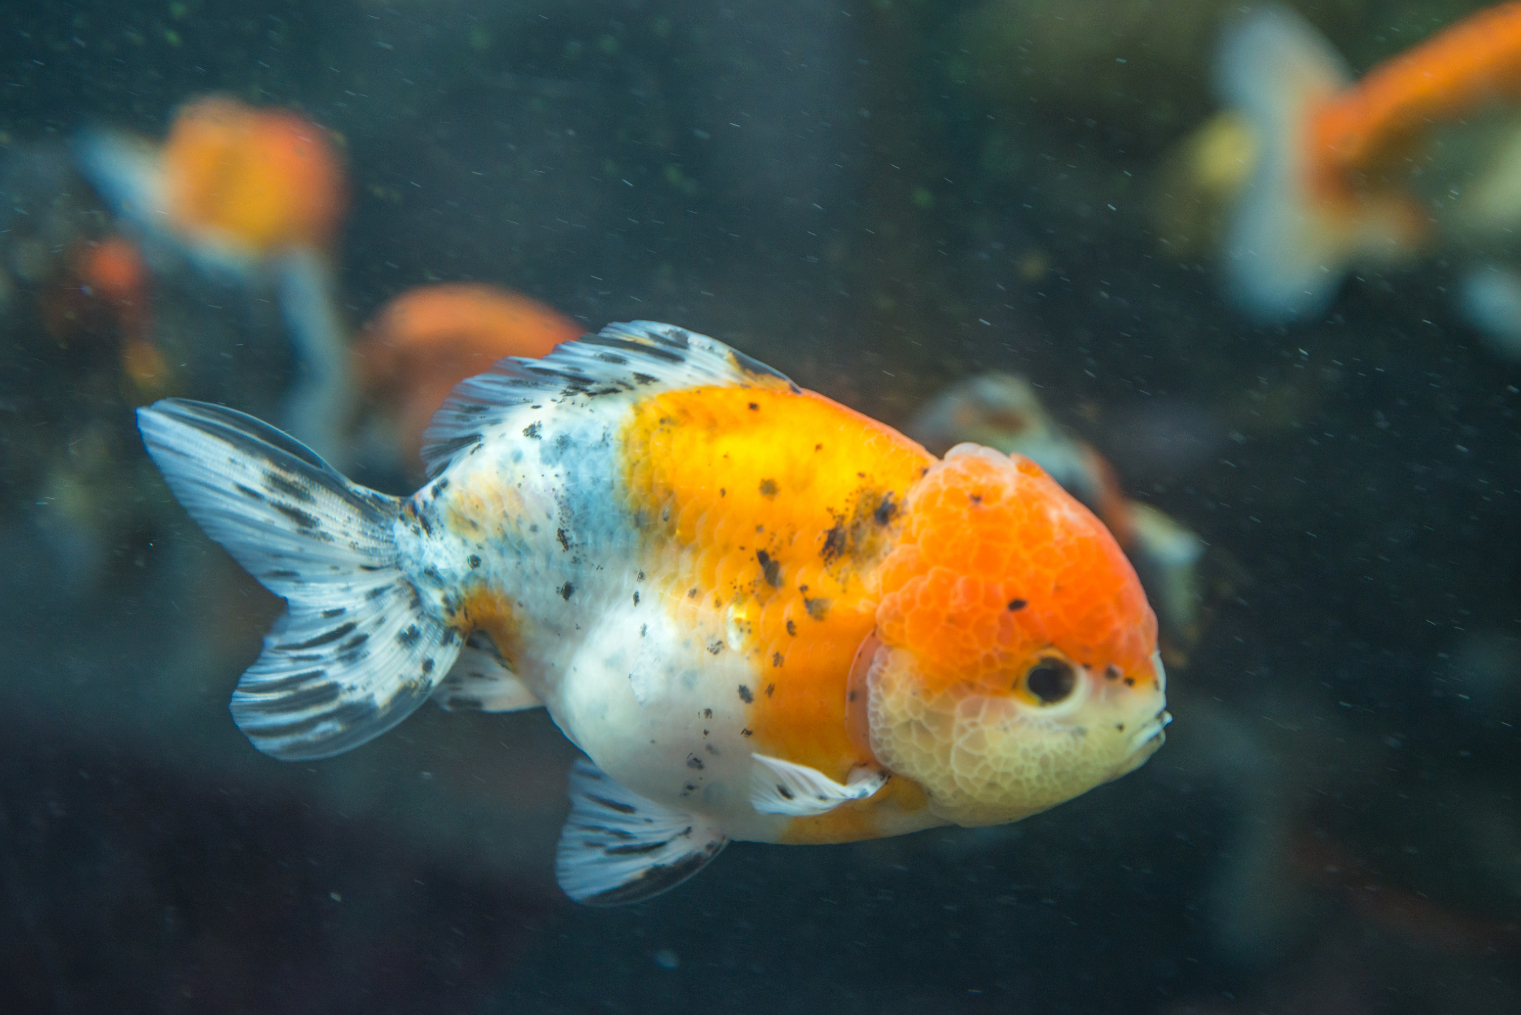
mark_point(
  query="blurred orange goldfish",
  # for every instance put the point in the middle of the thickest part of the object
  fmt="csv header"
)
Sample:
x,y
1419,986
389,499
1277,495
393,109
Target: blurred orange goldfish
x,y
762,615
258,194
254,180
1328,189
428,339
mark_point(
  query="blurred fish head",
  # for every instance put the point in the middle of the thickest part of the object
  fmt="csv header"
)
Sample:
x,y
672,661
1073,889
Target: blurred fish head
x,y
1015,659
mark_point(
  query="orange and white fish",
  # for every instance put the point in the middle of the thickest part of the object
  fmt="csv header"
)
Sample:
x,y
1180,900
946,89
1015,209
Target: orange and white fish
x,y
1329,188
257,195
761,615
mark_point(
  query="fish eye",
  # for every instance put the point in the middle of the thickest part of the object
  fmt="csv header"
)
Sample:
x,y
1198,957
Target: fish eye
x,y
1051,680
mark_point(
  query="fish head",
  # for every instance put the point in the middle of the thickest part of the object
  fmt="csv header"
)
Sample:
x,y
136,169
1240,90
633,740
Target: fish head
x,y
1014,663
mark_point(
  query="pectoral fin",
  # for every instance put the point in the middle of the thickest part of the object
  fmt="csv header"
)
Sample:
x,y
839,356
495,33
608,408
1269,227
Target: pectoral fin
x,y
617,847
784,787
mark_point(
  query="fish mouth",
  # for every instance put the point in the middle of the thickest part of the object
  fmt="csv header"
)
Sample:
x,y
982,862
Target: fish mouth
x,y
1151,736
1144,743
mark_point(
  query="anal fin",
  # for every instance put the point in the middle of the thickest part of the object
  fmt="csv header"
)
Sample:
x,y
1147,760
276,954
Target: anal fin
x,y
481,681
793,790
617,847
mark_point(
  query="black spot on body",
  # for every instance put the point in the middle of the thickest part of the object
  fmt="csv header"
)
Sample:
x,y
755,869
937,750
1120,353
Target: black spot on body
x,y
534,431
715,646
768,488
691,593
427,666
975,498
563,538
770,568
885,510
693,761
636,598
834,541
817,608
754,407
1017,604
776,659
707,713
1111,672
408,638
770,689
791,628
745,695
566,591
747,733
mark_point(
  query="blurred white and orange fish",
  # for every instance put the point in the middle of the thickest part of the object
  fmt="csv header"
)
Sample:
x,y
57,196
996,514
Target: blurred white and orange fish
x,y
252,194
1330,187
761,615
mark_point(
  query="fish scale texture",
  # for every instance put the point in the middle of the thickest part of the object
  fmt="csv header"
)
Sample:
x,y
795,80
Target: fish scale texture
x,y
977,517
770,505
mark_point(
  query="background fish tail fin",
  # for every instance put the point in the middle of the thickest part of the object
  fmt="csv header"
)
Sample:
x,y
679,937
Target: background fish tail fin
x,y
1287,250
357,652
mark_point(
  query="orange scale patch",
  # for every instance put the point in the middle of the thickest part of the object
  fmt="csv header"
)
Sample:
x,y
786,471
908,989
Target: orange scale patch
x,y
776,502
983,537
484,609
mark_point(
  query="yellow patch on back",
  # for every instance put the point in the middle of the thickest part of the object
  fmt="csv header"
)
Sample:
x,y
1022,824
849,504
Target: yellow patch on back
x,y
766,513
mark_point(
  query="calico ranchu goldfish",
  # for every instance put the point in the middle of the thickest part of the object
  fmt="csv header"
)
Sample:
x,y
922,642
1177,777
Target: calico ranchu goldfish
x,y
761,615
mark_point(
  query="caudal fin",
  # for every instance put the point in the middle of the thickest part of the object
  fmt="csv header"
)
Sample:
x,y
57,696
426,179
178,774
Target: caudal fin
x,y
1285,255
356,652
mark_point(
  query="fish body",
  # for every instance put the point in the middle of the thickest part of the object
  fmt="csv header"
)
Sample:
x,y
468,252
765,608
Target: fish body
x,y
760,614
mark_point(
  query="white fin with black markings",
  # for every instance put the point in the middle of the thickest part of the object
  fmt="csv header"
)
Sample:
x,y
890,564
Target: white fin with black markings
x,y
617,847
481,681
356,653
639,356
797,791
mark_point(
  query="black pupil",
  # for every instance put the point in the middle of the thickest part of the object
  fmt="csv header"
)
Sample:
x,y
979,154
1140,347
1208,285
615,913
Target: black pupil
x,y
1051,680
